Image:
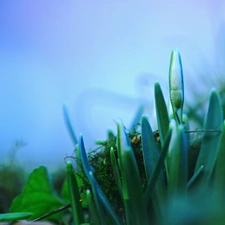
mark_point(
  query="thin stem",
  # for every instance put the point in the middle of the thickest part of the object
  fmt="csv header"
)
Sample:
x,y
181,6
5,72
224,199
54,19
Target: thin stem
x,y
52,213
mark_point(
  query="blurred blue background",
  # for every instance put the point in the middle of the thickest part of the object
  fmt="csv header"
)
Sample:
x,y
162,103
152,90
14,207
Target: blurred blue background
x,y
100,57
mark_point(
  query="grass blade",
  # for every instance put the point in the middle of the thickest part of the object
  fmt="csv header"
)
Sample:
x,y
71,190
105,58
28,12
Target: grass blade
x,y
77,211
98,204
191,181
69,125
135,207
159,167
137,117
151,157
9,217
161,113
102,197
92,209
208,152
177,162
116,171
219,179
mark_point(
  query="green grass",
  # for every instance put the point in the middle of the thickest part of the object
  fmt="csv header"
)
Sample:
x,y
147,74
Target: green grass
x,y
140,176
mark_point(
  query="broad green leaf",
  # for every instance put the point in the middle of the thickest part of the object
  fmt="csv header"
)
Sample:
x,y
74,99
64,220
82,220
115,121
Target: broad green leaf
x,y
151,158
7,217
135,207
161,113
208,152
77,211
38,196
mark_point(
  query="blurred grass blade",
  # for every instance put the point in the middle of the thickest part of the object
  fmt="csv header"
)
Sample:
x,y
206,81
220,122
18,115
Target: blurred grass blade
x,y
193,178
9,217
77,211
161,113
110,134
135,207
92,209
159,167
116,171
150,158
149,148
101,194
69,125
219,179
98,204
137,117
177,162
208,152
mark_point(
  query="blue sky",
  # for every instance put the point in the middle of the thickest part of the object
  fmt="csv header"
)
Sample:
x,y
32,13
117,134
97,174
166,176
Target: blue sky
x,y
100,57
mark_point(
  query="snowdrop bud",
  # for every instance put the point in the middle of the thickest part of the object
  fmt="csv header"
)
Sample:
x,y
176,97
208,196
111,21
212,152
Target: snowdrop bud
x,y
176,83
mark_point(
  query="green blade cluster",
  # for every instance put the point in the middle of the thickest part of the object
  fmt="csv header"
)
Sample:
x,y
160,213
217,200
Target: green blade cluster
x,y
95,186
77,211
209,147
165,163
132,191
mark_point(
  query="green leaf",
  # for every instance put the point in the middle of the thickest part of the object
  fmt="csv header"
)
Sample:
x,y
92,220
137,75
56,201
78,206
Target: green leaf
x,y
219,179
65,192
77,211
158,168
38,196
177,162
98,204
151,157
92,209
69,125
161,113
137,117
195,176
7,217
208,152
135,207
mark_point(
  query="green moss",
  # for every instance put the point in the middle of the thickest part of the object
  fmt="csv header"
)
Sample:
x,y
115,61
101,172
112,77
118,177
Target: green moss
x,y
99,159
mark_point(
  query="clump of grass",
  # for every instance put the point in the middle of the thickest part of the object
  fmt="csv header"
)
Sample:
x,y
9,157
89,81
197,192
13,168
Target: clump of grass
x,y
141,176
151,176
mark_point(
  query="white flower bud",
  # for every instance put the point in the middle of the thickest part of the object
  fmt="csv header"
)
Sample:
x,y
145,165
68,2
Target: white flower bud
x,y
176,83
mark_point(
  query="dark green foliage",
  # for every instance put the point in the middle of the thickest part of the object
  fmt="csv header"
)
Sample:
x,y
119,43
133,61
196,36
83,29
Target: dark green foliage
x,y
38,196
12,180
